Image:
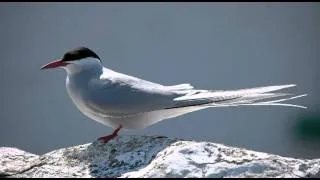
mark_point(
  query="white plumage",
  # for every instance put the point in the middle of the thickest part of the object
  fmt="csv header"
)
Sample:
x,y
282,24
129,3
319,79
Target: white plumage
x,y
122,101
114,99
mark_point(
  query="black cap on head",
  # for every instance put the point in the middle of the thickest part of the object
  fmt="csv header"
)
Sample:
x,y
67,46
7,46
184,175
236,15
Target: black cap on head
x,y
79,53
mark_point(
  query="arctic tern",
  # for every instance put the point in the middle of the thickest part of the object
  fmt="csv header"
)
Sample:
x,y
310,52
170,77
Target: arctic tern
x,y
122,101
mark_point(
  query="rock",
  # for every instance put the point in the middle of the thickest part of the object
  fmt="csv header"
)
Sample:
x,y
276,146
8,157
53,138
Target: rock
x,y
141,156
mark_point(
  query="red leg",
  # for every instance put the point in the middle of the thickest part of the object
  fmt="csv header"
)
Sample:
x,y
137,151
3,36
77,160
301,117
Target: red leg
x,y
107,138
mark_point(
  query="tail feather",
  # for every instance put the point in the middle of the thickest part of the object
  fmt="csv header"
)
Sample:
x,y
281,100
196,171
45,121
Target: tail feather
x,y
266,103
241,97
253,98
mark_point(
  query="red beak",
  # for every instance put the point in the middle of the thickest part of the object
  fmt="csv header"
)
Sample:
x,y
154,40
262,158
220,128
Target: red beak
x,y
54,64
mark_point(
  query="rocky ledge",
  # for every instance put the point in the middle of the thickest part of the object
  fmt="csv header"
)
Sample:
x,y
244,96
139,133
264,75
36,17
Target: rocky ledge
x,y
144,156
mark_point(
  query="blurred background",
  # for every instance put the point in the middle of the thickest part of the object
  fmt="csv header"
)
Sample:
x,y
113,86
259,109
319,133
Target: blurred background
x,y
210,45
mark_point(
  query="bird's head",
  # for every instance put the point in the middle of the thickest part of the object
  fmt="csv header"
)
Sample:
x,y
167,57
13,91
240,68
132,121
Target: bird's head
x,y
76,60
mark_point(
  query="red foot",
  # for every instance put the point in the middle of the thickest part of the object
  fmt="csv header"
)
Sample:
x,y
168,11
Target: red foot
x,y
107,138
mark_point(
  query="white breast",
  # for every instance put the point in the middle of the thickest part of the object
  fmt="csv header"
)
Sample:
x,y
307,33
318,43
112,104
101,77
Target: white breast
x,y
81,105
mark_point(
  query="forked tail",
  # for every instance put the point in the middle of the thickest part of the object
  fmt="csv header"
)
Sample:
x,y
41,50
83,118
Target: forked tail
x,y
242,97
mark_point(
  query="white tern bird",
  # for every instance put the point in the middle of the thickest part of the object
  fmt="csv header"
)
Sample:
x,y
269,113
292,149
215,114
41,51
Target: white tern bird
x,y
122,101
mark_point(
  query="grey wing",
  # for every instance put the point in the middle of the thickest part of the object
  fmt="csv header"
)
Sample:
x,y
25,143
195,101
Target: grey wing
x,y
119,94
122,94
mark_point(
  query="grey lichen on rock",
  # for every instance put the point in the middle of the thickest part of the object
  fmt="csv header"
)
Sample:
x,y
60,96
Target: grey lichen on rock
x,y
149,156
